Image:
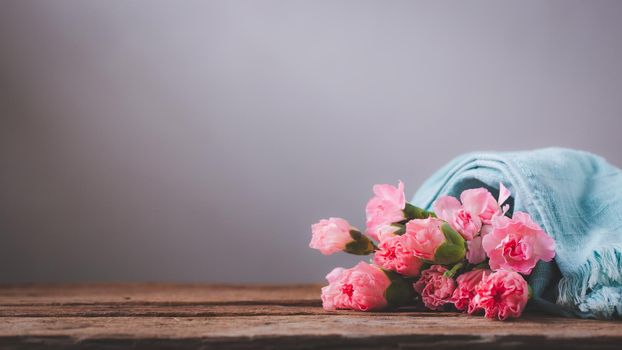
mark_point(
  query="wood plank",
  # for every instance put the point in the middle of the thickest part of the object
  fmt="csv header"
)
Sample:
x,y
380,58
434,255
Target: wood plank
x,y
162,316
361,325
334,330
155,292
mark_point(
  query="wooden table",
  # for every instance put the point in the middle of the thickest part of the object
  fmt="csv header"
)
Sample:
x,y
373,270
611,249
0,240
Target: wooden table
x,y
158,316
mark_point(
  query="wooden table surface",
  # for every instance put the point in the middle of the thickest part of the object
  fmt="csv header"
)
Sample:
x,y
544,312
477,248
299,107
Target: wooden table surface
x,y
156,316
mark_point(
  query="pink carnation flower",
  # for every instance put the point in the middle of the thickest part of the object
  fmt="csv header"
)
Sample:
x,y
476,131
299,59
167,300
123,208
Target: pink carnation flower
x,y
396,254
359,288
478,207
435,289
386,207
427,237
467,286
480,202
517,244
502,294
461,219
330,236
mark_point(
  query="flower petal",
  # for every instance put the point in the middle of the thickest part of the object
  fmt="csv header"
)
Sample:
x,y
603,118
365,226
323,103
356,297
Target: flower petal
x,y
504,194
445,206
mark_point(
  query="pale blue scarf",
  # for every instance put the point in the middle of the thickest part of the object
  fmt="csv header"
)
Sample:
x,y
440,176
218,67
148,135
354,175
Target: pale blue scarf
x,y
577,198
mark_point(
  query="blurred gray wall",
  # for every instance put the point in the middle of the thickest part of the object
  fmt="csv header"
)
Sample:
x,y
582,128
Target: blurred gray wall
x,y
198,140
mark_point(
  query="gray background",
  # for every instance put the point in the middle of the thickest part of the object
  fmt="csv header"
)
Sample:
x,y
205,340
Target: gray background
x,y
198,140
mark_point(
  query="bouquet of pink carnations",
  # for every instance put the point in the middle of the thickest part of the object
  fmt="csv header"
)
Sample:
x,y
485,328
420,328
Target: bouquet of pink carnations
x,y
468,254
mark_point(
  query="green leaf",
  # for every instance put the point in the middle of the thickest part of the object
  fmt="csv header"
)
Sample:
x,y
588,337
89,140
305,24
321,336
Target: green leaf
x,y
360,244
400,292
448,254
451,235
413,212
453,250
401,229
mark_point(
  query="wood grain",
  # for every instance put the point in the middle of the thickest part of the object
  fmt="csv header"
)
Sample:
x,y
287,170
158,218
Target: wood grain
x,y
161,316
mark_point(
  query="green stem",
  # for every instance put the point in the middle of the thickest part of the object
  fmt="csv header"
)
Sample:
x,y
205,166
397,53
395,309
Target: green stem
x,y
451,273
482,265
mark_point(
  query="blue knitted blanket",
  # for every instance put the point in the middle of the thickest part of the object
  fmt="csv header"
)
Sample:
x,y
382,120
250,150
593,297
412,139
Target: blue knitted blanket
x,y
577,199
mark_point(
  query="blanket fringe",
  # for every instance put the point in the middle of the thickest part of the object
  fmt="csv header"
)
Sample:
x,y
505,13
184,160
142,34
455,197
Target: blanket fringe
x,y
596,286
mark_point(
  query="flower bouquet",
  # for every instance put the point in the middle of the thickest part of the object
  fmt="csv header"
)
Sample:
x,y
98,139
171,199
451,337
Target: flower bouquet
x,y
468,254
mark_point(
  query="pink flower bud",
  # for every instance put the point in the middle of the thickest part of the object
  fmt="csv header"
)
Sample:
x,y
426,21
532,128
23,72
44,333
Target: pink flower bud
x,y
475,252
330,236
